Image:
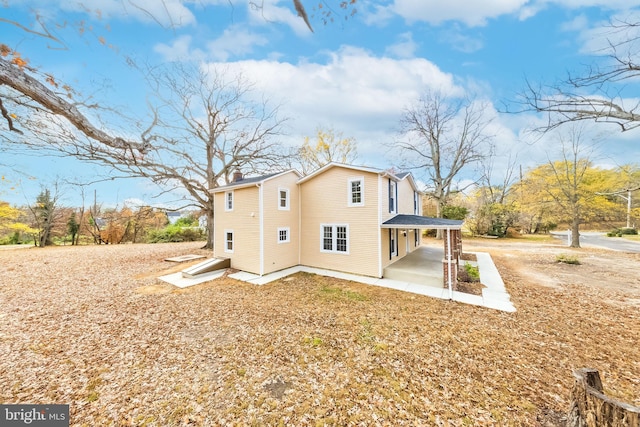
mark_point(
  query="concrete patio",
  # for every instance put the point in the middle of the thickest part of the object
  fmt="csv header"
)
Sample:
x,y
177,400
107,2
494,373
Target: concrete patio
x,y
420,273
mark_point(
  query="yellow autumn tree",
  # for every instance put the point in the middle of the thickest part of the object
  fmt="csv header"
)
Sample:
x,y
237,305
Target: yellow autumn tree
x,y
328,146
10,223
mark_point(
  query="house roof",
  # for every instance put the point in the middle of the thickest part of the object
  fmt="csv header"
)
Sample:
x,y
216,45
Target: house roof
x,y
248,182
416,221
395,176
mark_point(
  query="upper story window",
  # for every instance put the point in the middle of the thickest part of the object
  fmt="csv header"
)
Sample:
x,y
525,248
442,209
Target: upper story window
x,y
356,191
416,203
228,201
393,196
283,199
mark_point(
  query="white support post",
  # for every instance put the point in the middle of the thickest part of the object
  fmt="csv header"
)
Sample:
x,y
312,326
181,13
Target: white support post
x,y
449,255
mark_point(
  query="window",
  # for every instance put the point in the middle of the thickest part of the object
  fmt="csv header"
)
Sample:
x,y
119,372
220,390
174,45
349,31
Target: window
x,y
393,242
416,208
283,235
283,199
417,233
393,192
228,201
228,240
356,192
334,238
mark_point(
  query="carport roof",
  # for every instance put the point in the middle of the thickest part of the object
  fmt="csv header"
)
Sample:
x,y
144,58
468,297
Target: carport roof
x,y
416,221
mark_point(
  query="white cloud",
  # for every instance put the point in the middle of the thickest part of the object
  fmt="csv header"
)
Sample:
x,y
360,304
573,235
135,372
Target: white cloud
x,y
459,41
235,41
477,13
179,50
472,13
404,48
168,13
354,92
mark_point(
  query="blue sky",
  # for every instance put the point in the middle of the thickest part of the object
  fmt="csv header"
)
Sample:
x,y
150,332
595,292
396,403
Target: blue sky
x,y
355,75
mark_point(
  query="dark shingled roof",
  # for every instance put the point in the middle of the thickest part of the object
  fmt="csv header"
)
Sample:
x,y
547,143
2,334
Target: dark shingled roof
x,y
416,221
247,181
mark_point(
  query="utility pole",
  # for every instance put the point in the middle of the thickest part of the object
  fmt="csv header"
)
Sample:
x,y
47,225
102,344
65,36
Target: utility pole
x,y
627,198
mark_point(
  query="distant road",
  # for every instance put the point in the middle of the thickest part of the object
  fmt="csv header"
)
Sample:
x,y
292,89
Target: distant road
x,y
6,247
601,240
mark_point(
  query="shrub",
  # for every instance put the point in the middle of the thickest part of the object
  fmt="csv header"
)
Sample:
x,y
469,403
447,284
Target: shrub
x,y
618,232
566,259
469,273
175,233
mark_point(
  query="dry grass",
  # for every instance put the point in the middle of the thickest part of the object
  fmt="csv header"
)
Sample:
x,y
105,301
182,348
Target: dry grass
x,y
91,327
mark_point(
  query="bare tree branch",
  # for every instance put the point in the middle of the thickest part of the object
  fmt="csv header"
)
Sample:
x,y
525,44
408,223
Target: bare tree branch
x,y
598,94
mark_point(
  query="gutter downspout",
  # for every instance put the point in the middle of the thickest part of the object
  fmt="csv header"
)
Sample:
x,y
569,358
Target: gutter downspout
x,y
261,224
449,279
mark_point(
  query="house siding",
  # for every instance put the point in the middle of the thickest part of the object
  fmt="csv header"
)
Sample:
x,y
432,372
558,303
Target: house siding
x,y
325,198
278,256
244,220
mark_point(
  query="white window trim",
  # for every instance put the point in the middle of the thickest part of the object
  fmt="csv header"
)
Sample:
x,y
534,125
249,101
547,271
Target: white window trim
x,y
226,201
286,208
233,241
394,242
350,194
393,195
288,231
334,239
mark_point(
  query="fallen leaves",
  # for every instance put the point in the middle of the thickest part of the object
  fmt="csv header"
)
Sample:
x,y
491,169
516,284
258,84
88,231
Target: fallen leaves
x,y
93,328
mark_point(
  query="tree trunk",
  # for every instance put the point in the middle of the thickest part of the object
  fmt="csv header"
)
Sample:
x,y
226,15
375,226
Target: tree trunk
x,y
575,232
210,237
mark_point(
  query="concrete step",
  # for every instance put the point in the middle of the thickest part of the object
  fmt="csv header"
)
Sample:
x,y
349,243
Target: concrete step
x,y
426,276
206,266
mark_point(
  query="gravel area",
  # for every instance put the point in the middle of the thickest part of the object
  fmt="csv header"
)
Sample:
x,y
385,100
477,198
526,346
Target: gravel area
x,y
93,327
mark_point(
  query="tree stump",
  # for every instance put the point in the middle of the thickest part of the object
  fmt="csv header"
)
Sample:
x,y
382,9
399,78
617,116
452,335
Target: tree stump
x,y
590,407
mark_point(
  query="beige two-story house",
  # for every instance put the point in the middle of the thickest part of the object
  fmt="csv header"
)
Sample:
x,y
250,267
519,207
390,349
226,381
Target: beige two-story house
x,y
341,217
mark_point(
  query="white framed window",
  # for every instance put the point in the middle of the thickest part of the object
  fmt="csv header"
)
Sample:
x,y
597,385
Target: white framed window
x,y
228,201
284,235
334,238
283,199
393,193
228,241
356,192
416,206
393,242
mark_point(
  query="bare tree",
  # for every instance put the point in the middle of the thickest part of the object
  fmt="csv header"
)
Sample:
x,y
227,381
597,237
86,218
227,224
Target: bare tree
x,y
24,86
599,94
440,139
204,126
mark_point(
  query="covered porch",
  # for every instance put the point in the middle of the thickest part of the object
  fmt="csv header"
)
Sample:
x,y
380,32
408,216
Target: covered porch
x,y
423,265
427,265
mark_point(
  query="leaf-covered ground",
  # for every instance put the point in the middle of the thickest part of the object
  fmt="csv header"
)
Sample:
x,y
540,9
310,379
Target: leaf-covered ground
x,y
92,327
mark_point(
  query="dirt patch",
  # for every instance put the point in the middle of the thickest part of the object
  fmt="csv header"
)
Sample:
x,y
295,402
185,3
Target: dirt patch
x,y
614,276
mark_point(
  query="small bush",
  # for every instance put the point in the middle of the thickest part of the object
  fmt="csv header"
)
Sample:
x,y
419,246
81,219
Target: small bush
x,y
566,259
628,231
624,231
469,273
175,233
